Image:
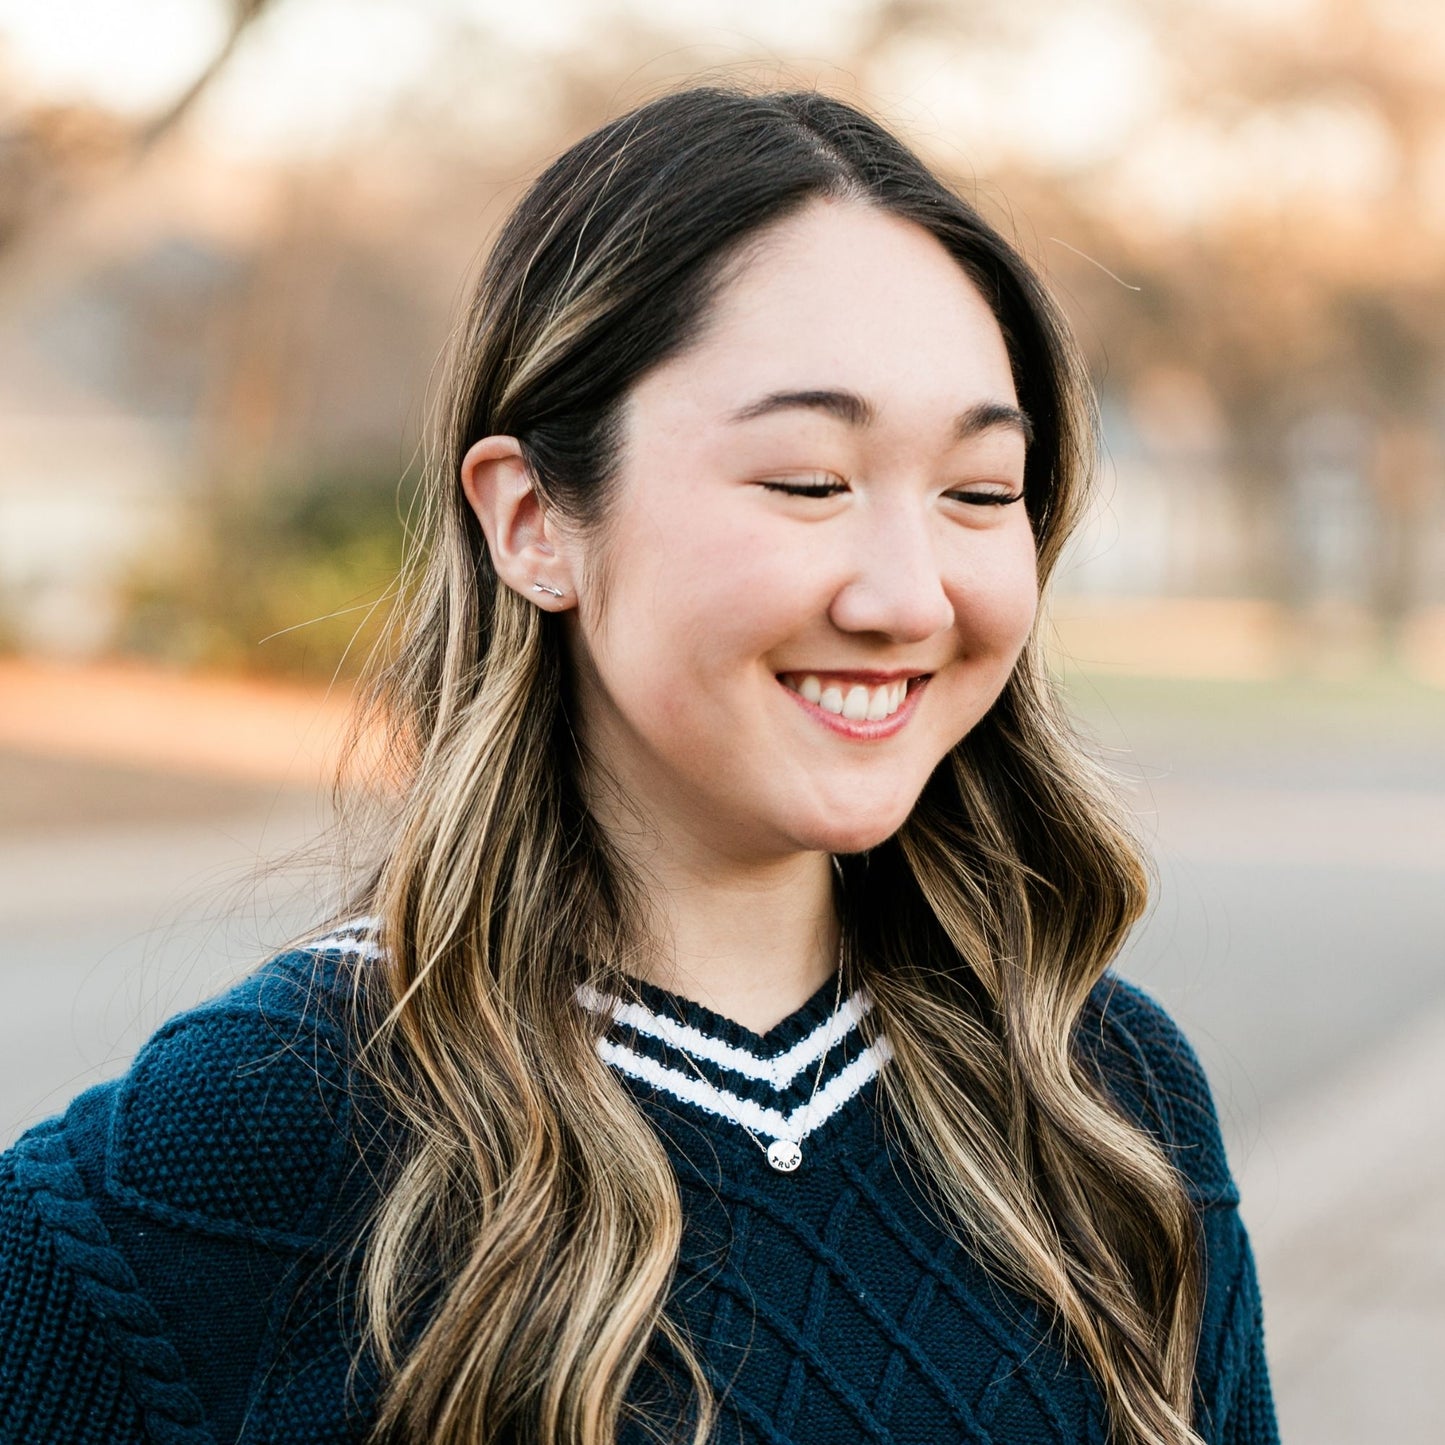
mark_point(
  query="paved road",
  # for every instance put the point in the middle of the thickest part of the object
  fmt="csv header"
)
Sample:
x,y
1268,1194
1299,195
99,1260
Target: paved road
x,y
114,922
1296,935
1292,931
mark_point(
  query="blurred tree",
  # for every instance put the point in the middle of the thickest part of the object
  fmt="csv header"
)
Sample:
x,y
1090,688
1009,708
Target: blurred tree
x,y
290,575
243,13
1281,227
1274,205
53,154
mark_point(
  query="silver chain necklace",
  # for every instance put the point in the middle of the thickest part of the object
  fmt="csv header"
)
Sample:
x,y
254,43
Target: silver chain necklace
x,y
783,1154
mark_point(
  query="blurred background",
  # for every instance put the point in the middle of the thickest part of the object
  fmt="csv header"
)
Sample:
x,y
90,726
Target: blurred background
x,y
232,236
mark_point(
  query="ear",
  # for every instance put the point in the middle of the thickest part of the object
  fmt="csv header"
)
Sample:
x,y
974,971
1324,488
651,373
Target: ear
x,y
521,534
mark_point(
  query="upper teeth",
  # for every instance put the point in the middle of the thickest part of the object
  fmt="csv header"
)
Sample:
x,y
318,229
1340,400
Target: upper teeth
x,y
852,700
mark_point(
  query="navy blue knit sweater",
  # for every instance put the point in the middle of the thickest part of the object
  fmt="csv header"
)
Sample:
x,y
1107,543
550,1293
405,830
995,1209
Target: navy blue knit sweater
x,y
178,1251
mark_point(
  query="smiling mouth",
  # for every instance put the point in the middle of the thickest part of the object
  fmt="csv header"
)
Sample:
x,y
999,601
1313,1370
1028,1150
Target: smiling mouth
x,y
850,698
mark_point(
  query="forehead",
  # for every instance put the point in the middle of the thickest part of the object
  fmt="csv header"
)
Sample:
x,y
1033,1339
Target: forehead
x,y
842,295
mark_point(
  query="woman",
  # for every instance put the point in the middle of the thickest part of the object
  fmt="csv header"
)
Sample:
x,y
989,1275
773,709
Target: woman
x,y
726,1048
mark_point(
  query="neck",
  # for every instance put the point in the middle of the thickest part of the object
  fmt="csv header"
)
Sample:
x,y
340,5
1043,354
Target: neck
x,y
751,941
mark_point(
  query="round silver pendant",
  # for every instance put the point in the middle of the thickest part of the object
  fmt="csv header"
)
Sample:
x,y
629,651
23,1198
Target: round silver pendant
x,y
784,1155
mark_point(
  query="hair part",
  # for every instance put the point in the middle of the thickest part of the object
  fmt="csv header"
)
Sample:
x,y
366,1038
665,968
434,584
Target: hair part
x,y
518,1270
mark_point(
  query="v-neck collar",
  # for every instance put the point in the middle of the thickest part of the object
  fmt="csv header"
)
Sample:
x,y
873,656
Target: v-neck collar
x,y
771,1043
798,1077
760,1083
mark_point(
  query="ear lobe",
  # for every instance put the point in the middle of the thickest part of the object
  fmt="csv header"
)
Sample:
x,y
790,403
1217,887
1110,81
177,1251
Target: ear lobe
x,y
499,490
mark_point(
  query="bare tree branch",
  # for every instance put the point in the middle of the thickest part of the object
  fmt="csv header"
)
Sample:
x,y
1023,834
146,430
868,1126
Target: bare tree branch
x,y
243,15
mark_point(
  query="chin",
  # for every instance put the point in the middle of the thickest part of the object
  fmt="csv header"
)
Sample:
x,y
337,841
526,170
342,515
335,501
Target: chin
x,y
855,835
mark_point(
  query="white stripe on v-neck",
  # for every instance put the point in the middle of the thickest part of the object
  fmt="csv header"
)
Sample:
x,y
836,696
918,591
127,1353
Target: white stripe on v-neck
x,y
779,1071
747,1113
344,939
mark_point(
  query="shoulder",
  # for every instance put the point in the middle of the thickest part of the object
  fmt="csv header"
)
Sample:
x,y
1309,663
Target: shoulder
x,y
1148,1067
237,1117
145,1234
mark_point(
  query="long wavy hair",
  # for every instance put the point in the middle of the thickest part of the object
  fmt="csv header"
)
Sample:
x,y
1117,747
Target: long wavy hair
x,y
519,1263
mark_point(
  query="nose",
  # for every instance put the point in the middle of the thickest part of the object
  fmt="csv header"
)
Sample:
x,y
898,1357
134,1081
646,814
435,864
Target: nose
x,y
895,583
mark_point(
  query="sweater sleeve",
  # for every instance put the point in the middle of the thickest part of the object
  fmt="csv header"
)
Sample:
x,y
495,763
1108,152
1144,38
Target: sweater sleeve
x,y
162,1243
82,1356
1234,1404
1153,1073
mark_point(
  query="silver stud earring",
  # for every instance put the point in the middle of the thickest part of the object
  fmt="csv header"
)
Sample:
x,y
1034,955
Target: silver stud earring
x,y
543,587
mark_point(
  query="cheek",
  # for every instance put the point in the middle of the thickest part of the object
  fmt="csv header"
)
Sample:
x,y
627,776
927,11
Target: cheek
x,y
695,596
999,598
725,568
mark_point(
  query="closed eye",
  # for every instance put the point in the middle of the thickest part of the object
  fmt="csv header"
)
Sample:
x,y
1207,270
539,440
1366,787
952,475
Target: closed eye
x,y
831,489
813,489
987,499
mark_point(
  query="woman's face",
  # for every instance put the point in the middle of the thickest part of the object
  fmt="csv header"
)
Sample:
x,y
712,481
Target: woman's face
x,y
741,681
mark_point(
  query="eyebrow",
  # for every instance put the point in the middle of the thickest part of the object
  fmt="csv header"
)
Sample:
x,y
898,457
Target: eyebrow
x,y
847,406
857,411
985,415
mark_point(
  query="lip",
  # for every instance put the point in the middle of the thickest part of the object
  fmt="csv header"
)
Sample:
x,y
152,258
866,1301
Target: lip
x,y
863,731
863,675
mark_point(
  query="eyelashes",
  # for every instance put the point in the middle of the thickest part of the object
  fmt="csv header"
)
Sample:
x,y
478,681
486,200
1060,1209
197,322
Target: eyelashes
x,y
797,489
831,489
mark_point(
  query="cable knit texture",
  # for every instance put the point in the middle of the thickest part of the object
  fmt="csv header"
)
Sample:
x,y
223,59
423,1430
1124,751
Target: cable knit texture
x,y
179,1252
